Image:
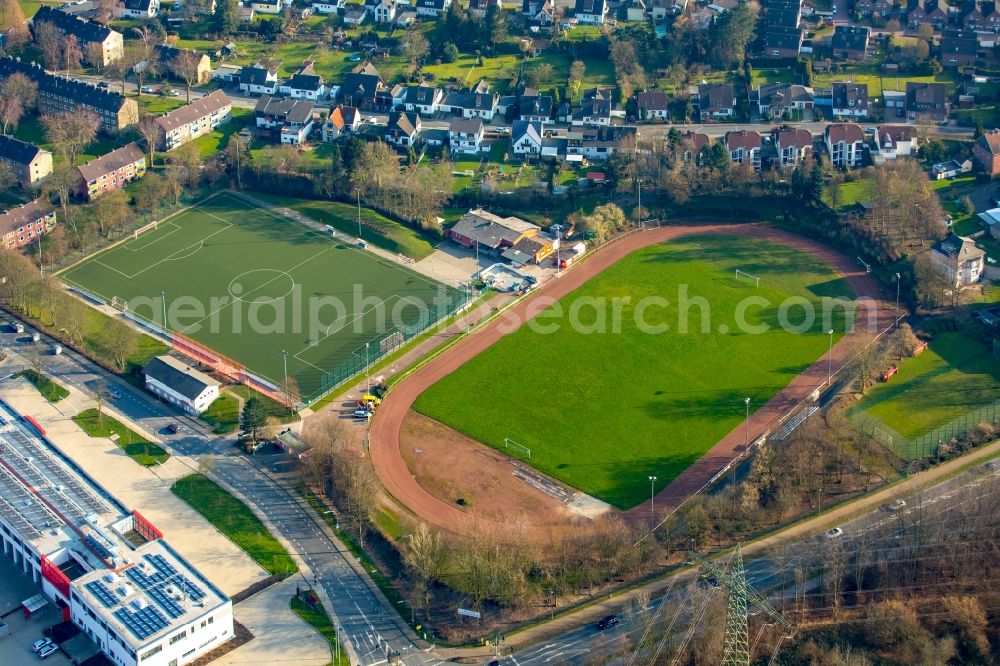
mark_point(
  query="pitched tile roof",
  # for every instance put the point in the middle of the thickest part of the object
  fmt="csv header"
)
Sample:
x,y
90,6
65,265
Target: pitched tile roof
x,y
116,159
199,108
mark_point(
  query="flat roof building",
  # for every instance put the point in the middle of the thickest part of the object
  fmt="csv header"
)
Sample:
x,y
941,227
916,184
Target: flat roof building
x,y
132,594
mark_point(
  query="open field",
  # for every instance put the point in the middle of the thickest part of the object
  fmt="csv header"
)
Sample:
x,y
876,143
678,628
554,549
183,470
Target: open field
x,y
253,285
237,522
955,375
601,411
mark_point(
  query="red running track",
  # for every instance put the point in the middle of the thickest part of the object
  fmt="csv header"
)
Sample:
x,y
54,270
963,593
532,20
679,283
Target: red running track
x,y
385,429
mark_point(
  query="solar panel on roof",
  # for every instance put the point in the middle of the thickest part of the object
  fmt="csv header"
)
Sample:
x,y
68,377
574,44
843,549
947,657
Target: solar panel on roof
x,y
103,594
193,591
171,607
143,623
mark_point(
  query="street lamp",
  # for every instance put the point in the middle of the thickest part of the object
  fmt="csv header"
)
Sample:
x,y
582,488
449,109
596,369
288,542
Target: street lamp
x,y
746,426
639,208
368,379
829,361
284,356
652,484
163,302
358,190
897,299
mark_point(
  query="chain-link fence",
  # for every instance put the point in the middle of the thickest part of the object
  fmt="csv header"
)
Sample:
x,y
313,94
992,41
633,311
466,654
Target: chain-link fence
x,y
928,444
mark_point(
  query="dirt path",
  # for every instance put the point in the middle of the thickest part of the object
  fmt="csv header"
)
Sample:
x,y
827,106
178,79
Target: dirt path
x,y
384,437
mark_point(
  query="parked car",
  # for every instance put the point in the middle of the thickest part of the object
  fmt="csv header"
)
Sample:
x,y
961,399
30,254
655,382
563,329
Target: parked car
x,y
103,85
896,505
152,90
19,328
56,350
40,643
362,414
173,428
834,533
609,621
48,651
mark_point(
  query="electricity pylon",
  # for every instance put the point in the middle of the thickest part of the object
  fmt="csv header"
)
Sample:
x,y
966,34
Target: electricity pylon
x,y
741,596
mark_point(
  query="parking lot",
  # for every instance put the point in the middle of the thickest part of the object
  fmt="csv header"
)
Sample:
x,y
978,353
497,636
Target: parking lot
x,y
15,648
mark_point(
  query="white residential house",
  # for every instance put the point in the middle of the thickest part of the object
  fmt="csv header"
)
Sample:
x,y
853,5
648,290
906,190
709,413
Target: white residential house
x,y
431,7
304,84
593,12
892,141
384,11
526,138
422,99
328,6
845,143
177,383
140,9
355,14
258,80
959,260
342,120
267,6
465,135
193,120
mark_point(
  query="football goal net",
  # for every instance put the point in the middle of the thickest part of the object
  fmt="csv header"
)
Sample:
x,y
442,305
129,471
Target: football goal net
x,y
144,228
511,444
743,275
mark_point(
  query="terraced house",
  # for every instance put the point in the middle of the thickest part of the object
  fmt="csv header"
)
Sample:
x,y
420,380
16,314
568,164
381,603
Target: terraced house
x,y
193,120
111,172
29,163
22,225
56,94
100,44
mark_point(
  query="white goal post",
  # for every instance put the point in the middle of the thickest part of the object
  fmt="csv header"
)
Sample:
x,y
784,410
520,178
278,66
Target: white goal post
x,y
747,276
144,228
511,444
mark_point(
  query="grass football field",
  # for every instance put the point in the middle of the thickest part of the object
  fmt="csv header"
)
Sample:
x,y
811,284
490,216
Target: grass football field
x,y
604,411
952,377
251,284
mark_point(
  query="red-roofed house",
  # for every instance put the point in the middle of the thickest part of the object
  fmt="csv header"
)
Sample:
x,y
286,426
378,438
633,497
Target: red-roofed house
x,y
845,143
744,147
793,145
987,152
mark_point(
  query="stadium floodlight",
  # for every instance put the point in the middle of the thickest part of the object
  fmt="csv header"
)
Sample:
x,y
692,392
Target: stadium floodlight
x,y
652,495
746,426
829,361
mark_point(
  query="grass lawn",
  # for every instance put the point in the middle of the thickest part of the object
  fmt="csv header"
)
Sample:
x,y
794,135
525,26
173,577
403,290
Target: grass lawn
x,y
160,104
595,72
320,621
498,71
30,7
256,284
602,410
217,140
849,193
48,388
135,445
955,375
236,521
224,414
30,130
273,409
394,236
775,75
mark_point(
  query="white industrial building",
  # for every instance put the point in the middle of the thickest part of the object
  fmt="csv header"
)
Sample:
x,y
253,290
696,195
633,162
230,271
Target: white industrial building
x,y
181,385
106,567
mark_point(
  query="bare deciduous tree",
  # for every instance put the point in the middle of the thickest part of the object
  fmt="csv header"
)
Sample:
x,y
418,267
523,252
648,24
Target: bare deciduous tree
x,y
70,131
185,66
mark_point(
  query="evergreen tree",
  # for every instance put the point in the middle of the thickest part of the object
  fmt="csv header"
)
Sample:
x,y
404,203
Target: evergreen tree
x,y
227,16
252,419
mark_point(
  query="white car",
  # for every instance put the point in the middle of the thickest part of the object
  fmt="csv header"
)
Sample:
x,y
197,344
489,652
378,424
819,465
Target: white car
x,y
48,651
896,505
40,643
834,533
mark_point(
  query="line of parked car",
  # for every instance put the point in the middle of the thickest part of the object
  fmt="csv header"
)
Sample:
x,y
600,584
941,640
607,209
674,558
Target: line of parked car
x,y
44,647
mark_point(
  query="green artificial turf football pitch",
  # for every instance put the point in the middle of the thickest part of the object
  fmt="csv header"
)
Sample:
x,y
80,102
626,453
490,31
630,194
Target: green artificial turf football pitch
x,y
251,284
604,411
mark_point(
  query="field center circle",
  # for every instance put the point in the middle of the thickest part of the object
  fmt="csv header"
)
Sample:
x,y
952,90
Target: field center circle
x,y
261,285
